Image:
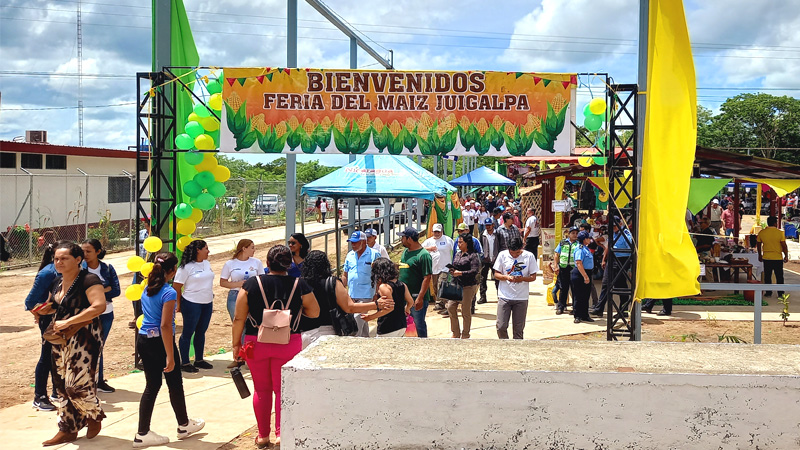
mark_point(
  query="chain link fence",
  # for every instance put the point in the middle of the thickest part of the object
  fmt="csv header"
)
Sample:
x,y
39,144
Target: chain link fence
x,y
39,209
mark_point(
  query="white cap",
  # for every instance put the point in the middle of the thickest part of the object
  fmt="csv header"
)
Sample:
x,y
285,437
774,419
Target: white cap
x,y
437,227
715,201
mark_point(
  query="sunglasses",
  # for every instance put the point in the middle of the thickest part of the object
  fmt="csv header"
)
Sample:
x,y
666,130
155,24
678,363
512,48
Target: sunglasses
x,y
292,242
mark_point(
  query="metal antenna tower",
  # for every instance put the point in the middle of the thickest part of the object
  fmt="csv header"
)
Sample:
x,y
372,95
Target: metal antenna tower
x,y
80,77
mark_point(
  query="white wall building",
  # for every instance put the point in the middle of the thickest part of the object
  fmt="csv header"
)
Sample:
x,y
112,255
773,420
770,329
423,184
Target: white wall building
x,y
59,195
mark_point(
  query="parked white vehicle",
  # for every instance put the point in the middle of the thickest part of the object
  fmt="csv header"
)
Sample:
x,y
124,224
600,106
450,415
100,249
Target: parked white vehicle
x,y
268,204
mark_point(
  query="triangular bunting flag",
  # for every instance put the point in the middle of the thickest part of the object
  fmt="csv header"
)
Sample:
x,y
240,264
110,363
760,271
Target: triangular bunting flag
x,y
269,76
280,70
546,82
287,71
518,74
241,81
565,83
231,81
573,79
536,80
269,69
260,79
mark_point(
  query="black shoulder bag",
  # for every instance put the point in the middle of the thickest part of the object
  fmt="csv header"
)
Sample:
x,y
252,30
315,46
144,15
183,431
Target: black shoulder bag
x,y
344,324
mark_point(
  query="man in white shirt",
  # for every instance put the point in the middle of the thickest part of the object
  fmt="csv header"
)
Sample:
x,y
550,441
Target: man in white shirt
x,y
468,214
440,247
531,233
515,268
490,243
372,242
323,209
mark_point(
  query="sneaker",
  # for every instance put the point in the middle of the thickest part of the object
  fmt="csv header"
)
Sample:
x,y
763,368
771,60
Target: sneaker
x,y
54,398
148,440
559,311
203,364
104,387
481,301
43,404
189,368
195,425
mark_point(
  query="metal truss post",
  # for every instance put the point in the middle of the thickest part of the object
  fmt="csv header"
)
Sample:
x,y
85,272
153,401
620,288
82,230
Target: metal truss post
x,y
621,170
155,116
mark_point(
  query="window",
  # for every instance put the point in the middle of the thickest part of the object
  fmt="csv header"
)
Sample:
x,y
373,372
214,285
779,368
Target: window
x,y
119,190
8,160
31,161
55,162
142,165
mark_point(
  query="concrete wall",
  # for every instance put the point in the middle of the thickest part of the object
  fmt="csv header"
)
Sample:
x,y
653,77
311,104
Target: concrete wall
x,y
59,199
366,394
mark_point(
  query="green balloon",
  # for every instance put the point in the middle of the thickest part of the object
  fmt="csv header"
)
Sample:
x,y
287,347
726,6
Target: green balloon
x,y
601,142
600,160
183,211
194,129
593,122
214,86
205,201
194,157
217,189
205,179
586,111
184,141
202,111
192,189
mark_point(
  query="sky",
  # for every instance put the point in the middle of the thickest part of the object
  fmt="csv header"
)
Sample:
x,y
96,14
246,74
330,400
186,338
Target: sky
x,y
738,46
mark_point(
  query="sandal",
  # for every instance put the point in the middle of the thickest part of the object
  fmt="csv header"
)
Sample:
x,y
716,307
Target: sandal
x,y
262,444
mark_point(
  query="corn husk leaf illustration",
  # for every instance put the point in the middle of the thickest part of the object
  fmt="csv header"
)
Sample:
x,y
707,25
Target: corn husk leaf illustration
x,y
467,133
395,136
322,133
266,141
483,137
553,124
380,134
349,139
518,142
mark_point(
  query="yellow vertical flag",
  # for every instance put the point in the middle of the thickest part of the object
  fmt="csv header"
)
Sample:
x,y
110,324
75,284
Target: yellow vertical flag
x,y
667,261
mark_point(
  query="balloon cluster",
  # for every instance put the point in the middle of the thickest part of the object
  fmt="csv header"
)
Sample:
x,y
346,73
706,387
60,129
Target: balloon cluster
x,y
201,133
137,264
594,114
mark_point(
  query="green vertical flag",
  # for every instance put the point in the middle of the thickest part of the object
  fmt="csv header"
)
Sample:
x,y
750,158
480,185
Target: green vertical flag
x,y
183,52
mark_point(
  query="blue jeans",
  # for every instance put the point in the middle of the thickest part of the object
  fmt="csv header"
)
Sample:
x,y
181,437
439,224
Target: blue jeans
x,y
196,317
43,372
729,232
105,328
232,294
419,319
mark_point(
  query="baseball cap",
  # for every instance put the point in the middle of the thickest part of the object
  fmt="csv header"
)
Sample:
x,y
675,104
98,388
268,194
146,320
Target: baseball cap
x,y
357,237
410,232
488,221
371,232
715,201
583,235
437,227
461,226
575,229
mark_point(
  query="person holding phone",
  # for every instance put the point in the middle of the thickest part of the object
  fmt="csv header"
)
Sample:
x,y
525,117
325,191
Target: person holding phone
x,y
465,269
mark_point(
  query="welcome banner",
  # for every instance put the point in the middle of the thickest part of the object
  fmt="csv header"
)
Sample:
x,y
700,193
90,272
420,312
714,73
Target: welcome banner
x,y
276,110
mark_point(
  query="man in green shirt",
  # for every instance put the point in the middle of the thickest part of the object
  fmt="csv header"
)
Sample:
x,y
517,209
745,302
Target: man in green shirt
x,y
416,268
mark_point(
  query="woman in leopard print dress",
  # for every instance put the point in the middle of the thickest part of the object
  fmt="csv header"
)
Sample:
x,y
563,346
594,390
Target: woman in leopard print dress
x,y
78,299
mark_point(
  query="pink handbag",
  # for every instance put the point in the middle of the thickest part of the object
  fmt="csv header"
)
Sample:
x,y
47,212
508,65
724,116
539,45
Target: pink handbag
x,y
276,324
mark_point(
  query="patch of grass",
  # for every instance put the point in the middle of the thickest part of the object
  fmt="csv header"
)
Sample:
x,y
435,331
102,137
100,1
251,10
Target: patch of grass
x,y
729,300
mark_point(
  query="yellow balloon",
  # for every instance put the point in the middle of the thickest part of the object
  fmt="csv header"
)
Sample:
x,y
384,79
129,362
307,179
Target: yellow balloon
x,y
209,163
209,123
134,292
135,263
143,284
146,269
197,215
221,173
204,142
183,242
585,161
193,118
186,226
215,102
139,321
153,244
597,105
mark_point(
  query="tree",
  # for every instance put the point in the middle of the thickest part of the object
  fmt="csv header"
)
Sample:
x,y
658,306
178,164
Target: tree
x,y
759,120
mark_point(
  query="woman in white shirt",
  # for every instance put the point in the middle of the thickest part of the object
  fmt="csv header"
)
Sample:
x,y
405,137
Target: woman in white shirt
x,y
483,214
194,283
238,269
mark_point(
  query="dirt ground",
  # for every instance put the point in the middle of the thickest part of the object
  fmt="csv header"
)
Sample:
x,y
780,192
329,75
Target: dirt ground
x,y
707,330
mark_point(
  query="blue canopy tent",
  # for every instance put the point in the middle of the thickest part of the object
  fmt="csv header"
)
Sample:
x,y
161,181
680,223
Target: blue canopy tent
x,y
376,176
483,176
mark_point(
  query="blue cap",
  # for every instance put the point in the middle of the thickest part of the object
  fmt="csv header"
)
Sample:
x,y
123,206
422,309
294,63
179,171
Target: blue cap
x,y
488,221
371,232
357,237
583,235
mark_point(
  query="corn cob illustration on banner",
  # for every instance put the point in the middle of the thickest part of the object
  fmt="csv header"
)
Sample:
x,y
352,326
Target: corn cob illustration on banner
x,y
320,111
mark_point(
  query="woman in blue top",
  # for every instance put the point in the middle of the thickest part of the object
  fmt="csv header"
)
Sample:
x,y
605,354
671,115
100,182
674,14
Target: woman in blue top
x,y
160,356
581,280
38,296
94,252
